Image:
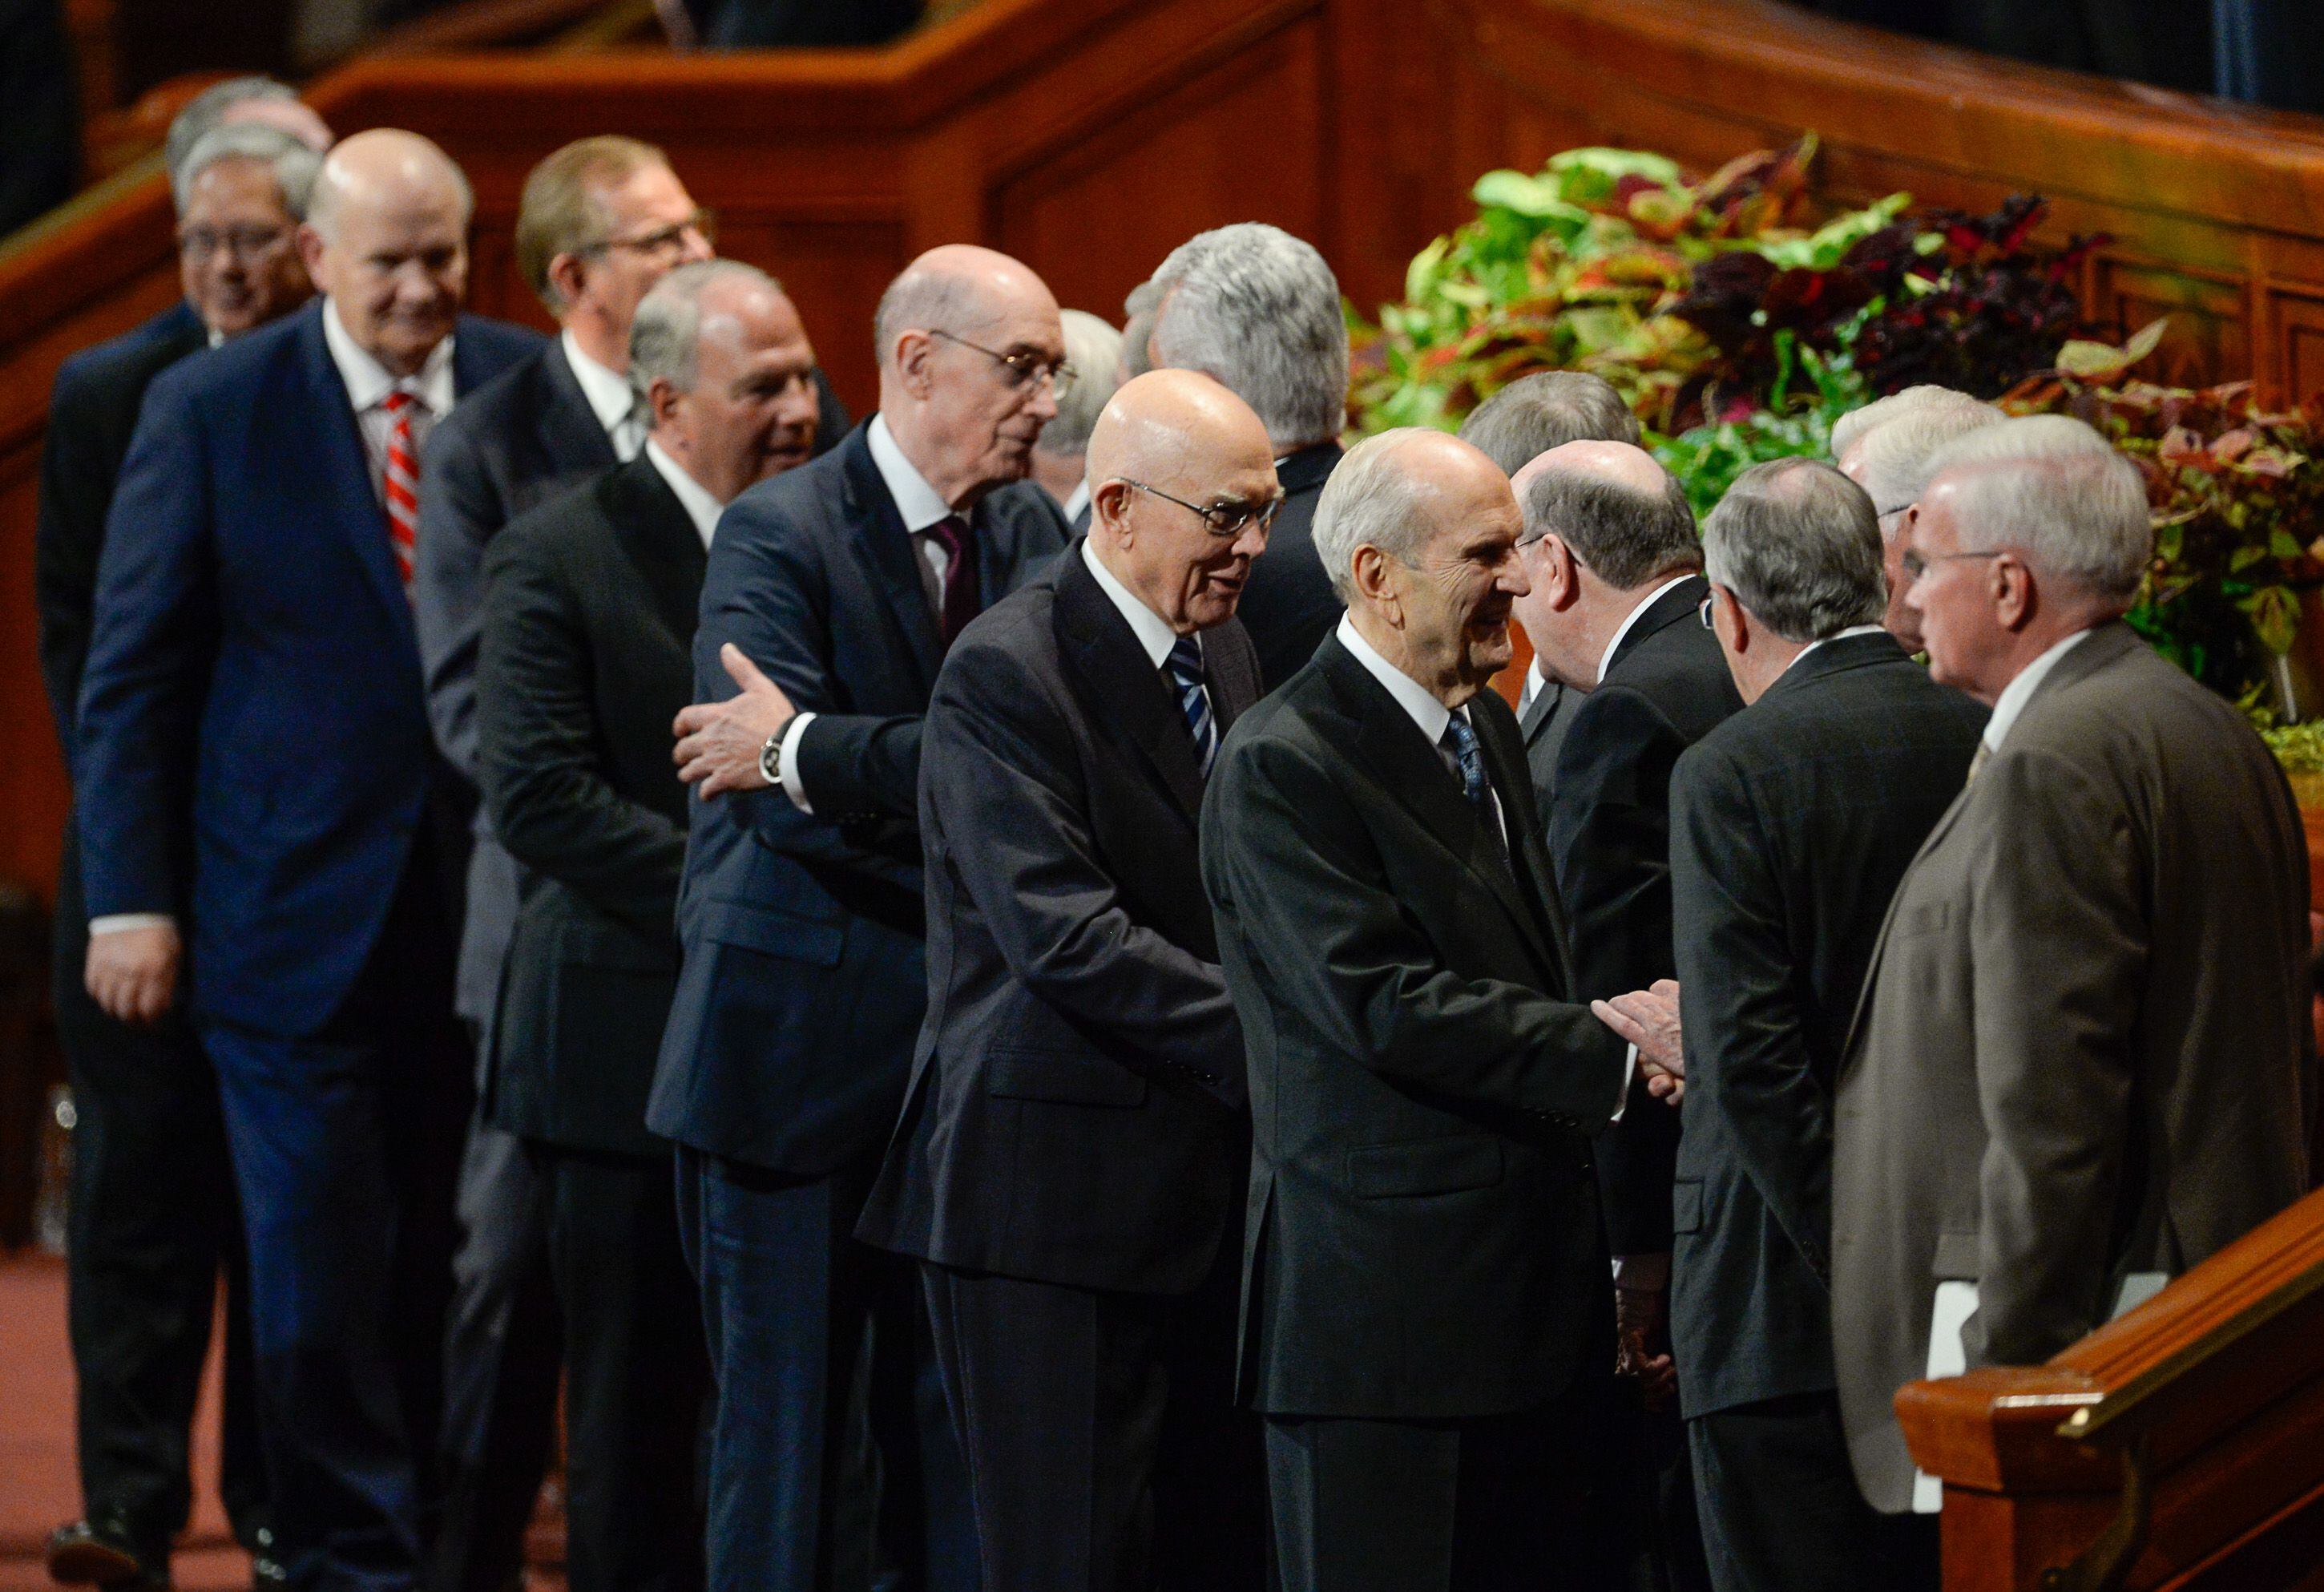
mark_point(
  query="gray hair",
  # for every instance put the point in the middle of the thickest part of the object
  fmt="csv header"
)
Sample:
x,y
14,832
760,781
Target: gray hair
x,y
1368,502
1546,410
206,112
1139,310
932,300
292,163
1798,544
1626,536
1258,311
1850,428
1091,347
2049,487
1893,459
666,334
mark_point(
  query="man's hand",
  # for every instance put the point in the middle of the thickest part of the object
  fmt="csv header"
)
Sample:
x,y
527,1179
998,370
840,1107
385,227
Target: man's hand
x,y
719,743
132,973
1648,1019
1642,1344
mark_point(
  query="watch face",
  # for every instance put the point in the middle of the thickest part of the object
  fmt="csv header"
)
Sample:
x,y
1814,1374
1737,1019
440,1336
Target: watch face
x,y
771,761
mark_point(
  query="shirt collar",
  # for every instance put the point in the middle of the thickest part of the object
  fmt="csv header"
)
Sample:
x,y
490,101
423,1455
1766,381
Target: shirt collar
x,y
1835,636
919,503
610,398
1645,603
1153,631
1077,500
368,380
1536,682
2020,691
1431,714
700,506
216,338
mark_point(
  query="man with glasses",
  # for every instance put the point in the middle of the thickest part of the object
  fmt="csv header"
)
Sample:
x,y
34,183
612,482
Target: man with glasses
x,y
832,594
1886,448
1072,1161
153,1202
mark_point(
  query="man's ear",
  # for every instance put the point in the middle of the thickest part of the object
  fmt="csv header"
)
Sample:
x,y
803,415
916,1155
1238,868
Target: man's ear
x,y
661,402
1565,581
569,276
1109,506
913,351
310,251
1368,569
2016,597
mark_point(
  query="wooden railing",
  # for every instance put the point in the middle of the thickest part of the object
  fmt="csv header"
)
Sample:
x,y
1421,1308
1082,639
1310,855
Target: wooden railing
x,y
1090,136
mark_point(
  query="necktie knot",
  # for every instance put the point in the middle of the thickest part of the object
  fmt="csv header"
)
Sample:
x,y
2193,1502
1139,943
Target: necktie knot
x,y
1184,666
1186,661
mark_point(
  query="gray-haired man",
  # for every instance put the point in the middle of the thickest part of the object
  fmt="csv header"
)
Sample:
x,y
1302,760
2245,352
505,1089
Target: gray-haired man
x,y
1889,448
1257,310
1060,458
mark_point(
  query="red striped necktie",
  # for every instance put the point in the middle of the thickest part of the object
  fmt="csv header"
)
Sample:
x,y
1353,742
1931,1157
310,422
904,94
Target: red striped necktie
x,y
402,484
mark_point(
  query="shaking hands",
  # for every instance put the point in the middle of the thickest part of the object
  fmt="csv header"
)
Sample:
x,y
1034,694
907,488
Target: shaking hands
x,y
1648,1019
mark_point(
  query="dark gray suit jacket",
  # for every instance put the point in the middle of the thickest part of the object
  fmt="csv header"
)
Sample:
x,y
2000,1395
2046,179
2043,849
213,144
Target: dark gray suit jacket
x,y
583,661
1791,824
1422,1240
1544,724
1078,1110
1288,604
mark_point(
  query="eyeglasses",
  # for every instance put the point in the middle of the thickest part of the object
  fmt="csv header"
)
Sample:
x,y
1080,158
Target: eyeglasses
x,y
244,243
1225,520
1702,609
1024,367
1917,563
665,240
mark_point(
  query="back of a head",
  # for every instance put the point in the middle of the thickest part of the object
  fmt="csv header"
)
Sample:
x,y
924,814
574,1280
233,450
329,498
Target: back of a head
x,y
1798,544
1851,428
293,164
2051,487
1625,535
1092,346
1893,459
1371,498
205,111
1138,312
559,212
1546,410
666,333
1258,310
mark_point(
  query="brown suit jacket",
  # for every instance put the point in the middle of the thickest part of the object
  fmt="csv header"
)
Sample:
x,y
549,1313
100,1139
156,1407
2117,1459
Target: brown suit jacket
x,y
2083,1049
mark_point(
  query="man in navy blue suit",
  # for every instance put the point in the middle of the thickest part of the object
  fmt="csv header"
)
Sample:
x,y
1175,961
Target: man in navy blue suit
x,y
784,1063
253,671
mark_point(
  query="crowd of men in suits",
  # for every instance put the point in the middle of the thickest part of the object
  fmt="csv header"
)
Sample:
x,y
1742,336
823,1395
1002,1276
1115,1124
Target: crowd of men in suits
x,y
992,994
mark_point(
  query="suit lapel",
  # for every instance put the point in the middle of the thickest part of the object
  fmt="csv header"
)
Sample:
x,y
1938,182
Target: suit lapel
x,y
1677,604
569,431
885,549
1541,710
336,449
658,536
1128,691
1513,784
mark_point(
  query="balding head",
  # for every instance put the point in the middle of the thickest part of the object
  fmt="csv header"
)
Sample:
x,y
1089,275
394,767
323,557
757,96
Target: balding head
x,y
386,238
1182,491
972,352
1604,524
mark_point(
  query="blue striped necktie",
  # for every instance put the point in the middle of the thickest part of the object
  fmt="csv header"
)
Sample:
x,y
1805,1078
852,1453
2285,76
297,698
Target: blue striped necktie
x,y
1185,666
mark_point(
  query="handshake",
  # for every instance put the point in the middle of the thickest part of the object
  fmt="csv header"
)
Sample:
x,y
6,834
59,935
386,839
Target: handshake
x,y
1648,1019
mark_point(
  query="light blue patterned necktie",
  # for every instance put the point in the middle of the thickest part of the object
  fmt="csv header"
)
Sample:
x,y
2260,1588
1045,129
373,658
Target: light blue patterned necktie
x,y
1185,666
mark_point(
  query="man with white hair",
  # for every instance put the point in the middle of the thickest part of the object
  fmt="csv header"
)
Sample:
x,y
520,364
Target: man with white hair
x,y
259,805
1257,310
153,1198
1426,1326
1888,448
2082,1064
1094,348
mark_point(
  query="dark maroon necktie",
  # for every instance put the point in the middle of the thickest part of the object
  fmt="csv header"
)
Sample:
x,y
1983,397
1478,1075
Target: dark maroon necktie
x,y
960,601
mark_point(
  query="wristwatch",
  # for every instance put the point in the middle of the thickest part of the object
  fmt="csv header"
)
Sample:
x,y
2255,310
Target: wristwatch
x,y
770,758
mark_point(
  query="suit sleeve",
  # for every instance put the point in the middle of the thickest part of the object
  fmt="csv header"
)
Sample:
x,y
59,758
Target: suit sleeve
x,y
153,641
1609,837
459,511
1291,862
2061,948
1746,1055
1003,779
536,749
77,470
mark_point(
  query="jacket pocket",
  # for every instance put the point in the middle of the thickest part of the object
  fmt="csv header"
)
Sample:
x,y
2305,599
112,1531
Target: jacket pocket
x,y
1956,1255
776,933
1686,1206
1424,1166
1065,1081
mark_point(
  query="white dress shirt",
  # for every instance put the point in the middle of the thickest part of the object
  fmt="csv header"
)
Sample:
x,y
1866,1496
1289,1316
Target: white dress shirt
x,y
1153,631
2020,691
1535,683
1645,603
919,506
1825,641
700,506
1077,500
616,405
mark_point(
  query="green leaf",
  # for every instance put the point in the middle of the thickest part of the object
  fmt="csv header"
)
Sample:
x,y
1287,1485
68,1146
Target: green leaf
x,y
1526,196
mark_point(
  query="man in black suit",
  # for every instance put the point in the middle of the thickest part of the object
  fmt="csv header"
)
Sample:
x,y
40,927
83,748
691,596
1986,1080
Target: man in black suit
x,y
1613,555
153,1214
1426,1324
832,594
1515,427
1258,310
584,659
1791,826
1070,1163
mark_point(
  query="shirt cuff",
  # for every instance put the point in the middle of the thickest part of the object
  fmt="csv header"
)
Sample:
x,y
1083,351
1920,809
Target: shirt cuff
x,y
116,922
786,763
1629,1070
1650,1272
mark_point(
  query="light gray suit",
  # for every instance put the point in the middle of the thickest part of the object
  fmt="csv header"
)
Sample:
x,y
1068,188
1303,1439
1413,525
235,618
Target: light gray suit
x,y
2083,1049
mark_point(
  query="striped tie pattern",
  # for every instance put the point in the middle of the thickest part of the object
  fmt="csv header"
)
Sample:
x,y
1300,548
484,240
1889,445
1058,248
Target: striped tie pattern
x,y
401,488
1186,667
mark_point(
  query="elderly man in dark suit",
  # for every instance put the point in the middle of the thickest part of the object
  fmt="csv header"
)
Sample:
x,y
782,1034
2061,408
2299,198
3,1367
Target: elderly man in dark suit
x,y
153,1196
832,595
1426,1326
584,659
1791,824
1258,310
2083,1061
1070,1163
254,577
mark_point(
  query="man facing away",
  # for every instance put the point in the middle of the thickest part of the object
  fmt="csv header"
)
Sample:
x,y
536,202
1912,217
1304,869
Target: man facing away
x,y
2083,1059
1888,448
253,688
1073,1155
1427,1322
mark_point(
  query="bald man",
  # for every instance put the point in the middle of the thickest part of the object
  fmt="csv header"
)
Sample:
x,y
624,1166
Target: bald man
x,y
253,682
831,596
1070,1167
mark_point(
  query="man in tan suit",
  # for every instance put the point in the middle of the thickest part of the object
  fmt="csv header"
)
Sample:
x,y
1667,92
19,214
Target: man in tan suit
x,y
2082,1056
